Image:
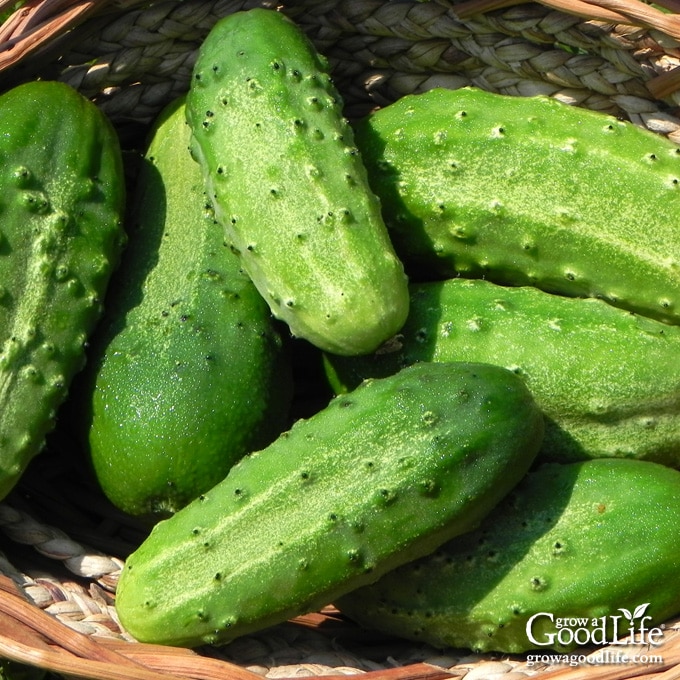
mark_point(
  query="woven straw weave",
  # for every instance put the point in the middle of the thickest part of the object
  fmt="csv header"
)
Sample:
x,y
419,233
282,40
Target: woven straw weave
x,y
133,62
61,544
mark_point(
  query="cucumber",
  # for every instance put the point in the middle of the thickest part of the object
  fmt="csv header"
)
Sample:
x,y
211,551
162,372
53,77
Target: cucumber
x,y
63,197
188,371
289,186
529,191
375,479
574,555
606,379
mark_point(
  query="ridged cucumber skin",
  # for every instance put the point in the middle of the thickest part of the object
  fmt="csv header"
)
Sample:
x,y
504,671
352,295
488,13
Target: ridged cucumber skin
x,y
375,479
606,379
529,191
188,370
289,186
63,198
580,540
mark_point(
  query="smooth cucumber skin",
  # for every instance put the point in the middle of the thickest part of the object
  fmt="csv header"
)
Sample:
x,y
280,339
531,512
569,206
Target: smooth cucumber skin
x,y
289,186
375,479
529,191
188,370
63,197
584,540
606,379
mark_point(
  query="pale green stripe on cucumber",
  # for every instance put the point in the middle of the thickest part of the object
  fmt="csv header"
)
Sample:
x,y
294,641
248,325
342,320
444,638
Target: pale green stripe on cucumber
x,y
607,380
375,479
591,543
289,186
529,191
63,196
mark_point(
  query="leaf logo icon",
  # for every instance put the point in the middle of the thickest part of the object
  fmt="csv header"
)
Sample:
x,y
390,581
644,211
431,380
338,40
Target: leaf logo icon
x,y
639,611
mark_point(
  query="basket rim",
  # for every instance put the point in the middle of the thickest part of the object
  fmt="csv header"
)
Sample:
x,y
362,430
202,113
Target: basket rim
x,y
31,636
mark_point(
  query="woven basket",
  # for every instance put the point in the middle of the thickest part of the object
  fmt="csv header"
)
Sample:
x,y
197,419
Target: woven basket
x,y
62,544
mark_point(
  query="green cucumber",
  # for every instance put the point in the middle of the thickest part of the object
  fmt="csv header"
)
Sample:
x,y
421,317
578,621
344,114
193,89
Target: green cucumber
x,y
606,379
375,479
529,191
574,555
288,184
188,370
63,196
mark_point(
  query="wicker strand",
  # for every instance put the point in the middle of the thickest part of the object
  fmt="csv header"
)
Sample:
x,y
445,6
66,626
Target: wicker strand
x,y
88,610
663,26
134,64
631,12
514,40
55,544
26,30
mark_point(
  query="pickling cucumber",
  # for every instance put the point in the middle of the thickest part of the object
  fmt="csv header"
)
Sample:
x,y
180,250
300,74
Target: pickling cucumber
x,y
577,554
606,379
529,191
375,479
63,197
289,186
188,371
